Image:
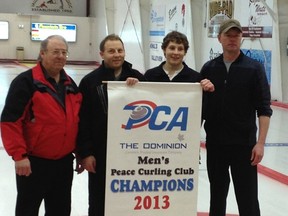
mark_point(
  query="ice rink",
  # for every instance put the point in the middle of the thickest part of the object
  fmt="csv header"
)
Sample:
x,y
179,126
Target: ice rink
x,y
273,171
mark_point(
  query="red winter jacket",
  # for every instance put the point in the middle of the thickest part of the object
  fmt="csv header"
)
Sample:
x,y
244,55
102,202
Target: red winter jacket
x,y
34,122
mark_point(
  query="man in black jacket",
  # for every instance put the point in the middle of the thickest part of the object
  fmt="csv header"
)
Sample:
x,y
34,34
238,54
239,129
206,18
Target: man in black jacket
x,y
92,137
241,93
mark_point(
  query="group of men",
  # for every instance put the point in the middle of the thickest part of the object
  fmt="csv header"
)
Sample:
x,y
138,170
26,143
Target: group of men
x,y
47,121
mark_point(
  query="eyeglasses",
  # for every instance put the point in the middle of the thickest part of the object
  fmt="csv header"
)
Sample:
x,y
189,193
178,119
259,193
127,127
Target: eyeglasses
x,y
59,52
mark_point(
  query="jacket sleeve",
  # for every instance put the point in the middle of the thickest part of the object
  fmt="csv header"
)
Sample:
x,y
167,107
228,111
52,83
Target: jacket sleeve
x,y
13,116
84,139
262,94
203,75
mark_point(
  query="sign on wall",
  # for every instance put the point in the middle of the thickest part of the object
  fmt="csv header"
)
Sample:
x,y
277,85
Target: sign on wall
x,y
52,5
45,7
40,31
164,18
218,10
255,18
153,149
156,33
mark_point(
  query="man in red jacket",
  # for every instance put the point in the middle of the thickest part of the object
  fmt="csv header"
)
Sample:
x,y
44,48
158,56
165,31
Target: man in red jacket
x,y
39,124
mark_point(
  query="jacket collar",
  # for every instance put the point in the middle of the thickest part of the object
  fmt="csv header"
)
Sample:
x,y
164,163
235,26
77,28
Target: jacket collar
x,y
40,74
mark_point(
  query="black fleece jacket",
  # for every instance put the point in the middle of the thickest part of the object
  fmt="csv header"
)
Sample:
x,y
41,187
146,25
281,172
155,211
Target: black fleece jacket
x,y
241,94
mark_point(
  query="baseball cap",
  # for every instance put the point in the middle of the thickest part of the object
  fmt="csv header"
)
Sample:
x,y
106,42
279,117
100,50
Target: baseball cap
x,y
226,25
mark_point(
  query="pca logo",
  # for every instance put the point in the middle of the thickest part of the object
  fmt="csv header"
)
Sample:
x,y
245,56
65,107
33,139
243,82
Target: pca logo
x,y
147,113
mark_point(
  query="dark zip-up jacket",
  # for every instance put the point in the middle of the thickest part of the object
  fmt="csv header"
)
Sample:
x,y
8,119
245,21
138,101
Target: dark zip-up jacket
x,y
34,120
92,136
240,95
157,74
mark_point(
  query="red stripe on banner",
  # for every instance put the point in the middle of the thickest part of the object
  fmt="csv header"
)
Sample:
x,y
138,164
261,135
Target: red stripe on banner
x,y
207,214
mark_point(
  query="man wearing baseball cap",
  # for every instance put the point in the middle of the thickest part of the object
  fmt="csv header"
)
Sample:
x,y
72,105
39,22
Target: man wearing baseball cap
x,y
226,25
233,145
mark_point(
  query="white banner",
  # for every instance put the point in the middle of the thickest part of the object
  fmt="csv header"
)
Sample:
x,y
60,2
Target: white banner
x,y
153,149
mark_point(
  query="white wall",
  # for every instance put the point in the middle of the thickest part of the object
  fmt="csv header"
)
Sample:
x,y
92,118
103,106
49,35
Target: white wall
x,y
145,14
99,27
82,50
127,24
